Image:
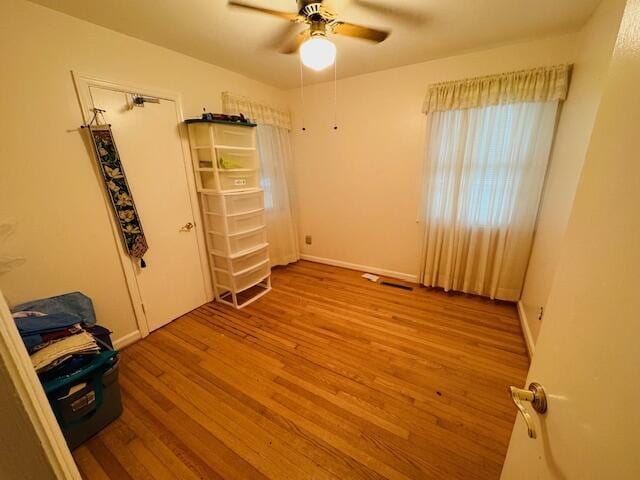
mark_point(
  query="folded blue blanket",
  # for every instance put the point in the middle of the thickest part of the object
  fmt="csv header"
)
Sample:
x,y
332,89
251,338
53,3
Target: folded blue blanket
x,y
32,328
74,303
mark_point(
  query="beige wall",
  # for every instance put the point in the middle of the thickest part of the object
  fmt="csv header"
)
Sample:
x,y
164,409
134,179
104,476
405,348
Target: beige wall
x,y
47,181
567,157
359,187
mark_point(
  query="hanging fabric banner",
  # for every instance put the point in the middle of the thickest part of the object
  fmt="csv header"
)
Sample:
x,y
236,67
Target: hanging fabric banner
x,y
118,190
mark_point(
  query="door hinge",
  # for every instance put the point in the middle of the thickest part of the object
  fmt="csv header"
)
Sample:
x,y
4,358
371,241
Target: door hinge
x,y
142,306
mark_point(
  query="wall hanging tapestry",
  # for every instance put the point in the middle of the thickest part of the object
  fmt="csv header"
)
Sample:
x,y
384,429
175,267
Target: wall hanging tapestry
x,y
118,190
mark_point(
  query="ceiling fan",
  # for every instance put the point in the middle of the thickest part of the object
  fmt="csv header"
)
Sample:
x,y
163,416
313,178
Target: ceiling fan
x,y
316,50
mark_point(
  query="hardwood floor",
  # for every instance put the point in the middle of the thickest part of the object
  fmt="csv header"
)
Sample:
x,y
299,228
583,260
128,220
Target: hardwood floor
x,y
327,376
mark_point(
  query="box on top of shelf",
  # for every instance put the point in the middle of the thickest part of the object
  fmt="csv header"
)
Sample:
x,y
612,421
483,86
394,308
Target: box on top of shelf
x,y
234,134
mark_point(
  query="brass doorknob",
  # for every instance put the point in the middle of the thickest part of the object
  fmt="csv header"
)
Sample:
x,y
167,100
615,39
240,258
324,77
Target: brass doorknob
x,y
534,394
187,227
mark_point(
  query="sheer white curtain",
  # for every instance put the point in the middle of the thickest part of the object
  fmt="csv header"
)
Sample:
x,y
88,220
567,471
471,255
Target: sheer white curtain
x,y
484,177
276,163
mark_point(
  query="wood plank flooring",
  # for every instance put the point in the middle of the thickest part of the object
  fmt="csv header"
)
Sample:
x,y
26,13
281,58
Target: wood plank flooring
x,y
329,376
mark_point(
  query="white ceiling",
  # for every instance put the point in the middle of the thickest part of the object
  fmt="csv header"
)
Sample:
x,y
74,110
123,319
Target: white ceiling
x,y
245,42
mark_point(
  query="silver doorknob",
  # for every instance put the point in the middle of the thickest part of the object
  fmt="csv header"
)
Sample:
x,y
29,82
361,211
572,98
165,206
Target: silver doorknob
x,y
535,395
187,227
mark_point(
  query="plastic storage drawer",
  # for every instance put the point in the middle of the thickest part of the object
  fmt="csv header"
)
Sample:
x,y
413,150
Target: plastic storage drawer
x,y
233,136
241,202
240,264
229,158
243,280
199,134
237,243
238,180
237,223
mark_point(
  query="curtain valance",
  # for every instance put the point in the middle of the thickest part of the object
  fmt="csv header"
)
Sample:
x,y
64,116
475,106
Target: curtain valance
x,y
542,84
258,112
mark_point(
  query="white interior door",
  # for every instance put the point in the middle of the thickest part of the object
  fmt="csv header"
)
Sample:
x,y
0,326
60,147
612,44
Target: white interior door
x,y
588,353
149,143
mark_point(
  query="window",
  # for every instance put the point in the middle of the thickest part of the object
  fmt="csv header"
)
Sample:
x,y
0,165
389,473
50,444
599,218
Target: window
x,y
478,159
488,143
265,184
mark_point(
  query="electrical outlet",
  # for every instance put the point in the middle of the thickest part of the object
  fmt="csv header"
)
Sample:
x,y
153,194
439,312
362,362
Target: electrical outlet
x,y
308,239
541,313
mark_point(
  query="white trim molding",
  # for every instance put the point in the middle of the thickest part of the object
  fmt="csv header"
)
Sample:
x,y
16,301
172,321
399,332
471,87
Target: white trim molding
x,y
127,340
526,331
407,277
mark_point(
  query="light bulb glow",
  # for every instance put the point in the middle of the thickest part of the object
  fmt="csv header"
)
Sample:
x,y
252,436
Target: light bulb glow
x,y
318,53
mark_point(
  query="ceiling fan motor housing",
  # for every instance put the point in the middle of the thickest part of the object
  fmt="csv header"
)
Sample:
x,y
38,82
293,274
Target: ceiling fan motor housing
x,y
308,5
314,11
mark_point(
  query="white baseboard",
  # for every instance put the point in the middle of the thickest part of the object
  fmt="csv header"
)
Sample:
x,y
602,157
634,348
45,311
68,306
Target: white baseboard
x,y
528,338
128,339
407,277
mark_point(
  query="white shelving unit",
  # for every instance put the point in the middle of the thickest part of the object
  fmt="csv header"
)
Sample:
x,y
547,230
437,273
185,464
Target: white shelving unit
x,y
226,164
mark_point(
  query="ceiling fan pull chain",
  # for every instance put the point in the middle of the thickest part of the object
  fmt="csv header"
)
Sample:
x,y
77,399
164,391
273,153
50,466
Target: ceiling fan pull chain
x,y
335,94
302,95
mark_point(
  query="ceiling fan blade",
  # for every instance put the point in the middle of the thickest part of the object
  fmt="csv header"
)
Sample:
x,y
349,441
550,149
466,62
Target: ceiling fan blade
x,y
294,44
399,13
358,31
292,17
285,35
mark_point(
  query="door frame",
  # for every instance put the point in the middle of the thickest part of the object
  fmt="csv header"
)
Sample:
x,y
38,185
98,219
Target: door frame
x,y
28,389
83,82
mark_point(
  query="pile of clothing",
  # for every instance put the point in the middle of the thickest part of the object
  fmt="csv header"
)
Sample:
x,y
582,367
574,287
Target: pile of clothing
x,y
60,333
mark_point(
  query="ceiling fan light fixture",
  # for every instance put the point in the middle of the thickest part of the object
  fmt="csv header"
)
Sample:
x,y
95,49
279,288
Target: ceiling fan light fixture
x,y
318,52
